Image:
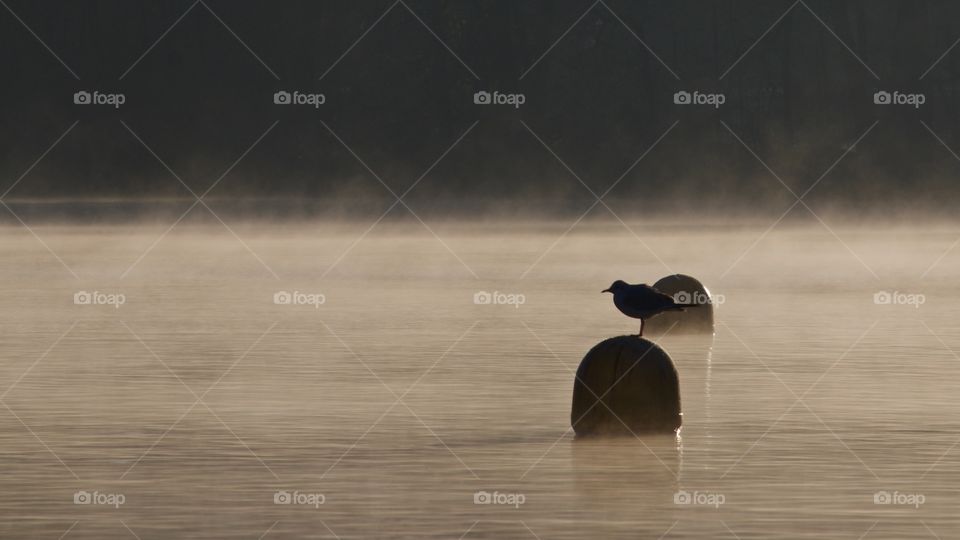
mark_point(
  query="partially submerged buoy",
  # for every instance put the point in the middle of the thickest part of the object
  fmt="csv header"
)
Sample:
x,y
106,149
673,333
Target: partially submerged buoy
x,y
626,385
692,320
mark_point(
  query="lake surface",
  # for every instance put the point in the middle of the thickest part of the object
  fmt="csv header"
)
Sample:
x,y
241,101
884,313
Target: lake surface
x,y
198,401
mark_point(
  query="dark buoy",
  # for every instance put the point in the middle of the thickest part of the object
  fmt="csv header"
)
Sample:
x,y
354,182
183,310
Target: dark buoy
x,y
637,386
692,320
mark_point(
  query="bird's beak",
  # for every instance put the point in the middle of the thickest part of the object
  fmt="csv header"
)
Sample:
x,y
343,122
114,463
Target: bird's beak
x,y
605,290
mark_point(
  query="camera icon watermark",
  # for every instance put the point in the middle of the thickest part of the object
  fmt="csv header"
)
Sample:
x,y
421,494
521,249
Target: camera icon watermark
x,y
899,499
282,97
882,97
97,298
83,97
506,499
297,298
897,298
699,498
698,298
682,97
299,498
96,498
484,97
484,298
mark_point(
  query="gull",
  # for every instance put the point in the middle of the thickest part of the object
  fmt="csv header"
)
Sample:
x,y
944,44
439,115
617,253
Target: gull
x,y
642,301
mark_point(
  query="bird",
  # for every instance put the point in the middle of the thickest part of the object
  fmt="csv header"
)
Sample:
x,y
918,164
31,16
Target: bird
x,y
642,301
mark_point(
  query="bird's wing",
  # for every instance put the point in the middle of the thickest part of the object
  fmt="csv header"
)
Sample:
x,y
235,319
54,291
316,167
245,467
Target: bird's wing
x,y
647,296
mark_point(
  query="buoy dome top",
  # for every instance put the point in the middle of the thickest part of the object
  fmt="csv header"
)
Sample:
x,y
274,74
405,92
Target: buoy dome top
x,y
681,280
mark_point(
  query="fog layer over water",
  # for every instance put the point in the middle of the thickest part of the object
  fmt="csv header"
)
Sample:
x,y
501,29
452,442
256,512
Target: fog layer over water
x,y
829,382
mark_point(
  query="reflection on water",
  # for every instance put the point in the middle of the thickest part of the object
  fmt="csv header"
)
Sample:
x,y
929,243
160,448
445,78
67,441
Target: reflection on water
x,y
400,400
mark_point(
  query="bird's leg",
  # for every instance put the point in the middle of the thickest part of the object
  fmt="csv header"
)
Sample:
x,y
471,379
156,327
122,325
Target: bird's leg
x,y
641,328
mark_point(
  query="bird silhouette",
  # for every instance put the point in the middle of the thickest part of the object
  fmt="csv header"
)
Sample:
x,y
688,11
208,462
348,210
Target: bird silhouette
x,y
642,301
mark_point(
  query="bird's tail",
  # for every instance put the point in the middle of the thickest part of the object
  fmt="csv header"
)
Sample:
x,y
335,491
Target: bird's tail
x,y
681,306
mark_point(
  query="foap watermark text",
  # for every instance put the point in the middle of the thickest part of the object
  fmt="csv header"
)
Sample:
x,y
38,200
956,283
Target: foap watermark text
x,y
496,98
499,298
696,97
96,97
699,498
96,498
496,497
698,297
282,97
97,298
896,97
899,499
897,298
299,498
297,298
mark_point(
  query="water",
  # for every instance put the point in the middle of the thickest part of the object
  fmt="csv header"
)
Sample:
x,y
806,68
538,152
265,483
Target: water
x,y
199,399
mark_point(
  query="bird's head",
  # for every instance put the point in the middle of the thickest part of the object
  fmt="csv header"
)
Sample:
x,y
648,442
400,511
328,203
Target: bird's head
x,y
616,286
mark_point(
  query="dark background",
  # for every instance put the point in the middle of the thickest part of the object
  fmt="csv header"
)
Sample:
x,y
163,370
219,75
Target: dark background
x,y
399,99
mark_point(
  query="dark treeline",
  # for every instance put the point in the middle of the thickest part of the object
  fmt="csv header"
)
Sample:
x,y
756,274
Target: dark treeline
x,y
399,99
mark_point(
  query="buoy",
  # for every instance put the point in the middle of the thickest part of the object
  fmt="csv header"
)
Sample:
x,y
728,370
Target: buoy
x,y
692,320
626,385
